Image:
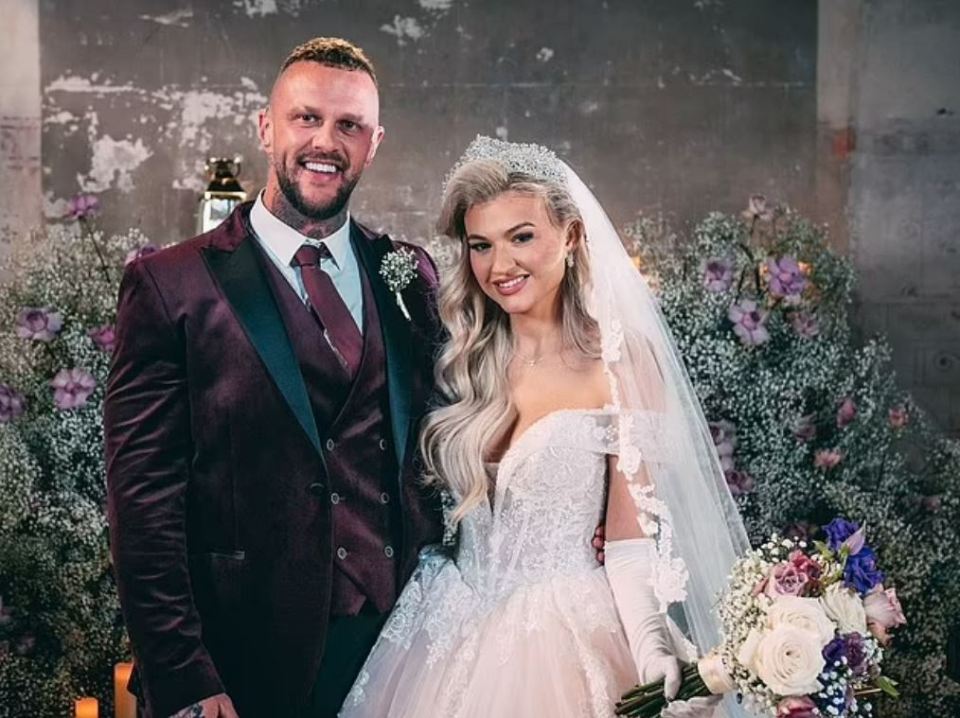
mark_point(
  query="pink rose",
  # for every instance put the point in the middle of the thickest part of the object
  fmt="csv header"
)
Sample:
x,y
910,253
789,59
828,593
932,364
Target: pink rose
x,y
797,707
827,458
786,580
883,611
804,564
898,417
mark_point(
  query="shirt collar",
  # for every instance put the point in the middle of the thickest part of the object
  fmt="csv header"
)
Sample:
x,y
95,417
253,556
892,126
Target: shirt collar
x,y
284,241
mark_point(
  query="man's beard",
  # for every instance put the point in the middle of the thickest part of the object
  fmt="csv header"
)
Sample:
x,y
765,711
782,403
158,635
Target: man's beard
x,y
315,211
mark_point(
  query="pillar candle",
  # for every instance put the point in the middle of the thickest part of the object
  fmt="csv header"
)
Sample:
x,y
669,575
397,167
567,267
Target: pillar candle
x,y
125,703
86,708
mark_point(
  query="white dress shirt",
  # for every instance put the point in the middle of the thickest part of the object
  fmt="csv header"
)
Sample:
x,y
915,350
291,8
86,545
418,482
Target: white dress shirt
x,y
281,242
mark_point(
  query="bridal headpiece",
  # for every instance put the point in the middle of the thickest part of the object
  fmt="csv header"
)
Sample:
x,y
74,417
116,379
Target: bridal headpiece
x,y
516,157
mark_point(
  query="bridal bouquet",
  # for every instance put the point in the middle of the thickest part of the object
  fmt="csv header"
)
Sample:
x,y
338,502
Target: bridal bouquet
x,y
804,629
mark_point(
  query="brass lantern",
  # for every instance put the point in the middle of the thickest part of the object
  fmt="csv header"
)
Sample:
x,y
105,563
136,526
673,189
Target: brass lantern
x,y
223,192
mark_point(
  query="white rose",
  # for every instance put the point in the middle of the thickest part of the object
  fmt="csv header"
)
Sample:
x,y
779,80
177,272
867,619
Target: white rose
x,y
804,613
846,608
788,660
749,649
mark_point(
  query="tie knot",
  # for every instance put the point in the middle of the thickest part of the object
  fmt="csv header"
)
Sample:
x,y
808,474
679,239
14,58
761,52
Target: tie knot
x,y
309,255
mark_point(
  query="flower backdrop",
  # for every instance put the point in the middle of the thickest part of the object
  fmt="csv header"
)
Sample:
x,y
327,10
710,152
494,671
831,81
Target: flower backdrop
x,y
60,631
808,425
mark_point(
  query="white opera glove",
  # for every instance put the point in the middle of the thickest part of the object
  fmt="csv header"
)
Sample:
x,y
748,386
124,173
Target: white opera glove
x,y
629,564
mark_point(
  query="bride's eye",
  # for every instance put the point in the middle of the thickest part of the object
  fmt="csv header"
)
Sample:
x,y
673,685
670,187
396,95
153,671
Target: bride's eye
x,y
523,237
479,246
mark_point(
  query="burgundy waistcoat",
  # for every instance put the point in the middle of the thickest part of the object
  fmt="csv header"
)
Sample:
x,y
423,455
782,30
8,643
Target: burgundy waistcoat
x,y
362,474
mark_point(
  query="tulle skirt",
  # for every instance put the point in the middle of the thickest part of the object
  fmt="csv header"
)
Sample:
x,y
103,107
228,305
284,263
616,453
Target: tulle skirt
x,y
554,647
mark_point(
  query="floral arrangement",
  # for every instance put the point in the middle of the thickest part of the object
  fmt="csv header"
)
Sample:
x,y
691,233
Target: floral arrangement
x,y
60,627
808,420
804,630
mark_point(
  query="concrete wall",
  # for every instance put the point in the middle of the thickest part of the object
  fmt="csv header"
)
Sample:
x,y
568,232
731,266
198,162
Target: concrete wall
x,y
669,106
904,195
20,185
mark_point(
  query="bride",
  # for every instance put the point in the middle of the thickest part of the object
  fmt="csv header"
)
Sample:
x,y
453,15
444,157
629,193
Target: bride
x,y
563,404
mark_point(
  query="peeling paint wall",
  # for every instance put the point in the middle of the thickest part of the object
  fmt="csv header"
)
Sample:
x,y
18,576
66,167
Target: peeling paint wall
x,y
672,106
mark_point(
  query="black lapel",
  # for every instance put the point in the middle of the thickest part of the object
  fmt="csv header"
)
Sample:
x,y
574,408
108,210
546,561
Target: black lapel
x,y
396,338
246,289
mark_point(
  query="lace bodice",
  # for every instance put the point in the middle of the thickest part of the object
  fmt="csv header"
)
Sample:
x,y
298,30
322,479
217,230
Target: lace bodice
x,y
548,499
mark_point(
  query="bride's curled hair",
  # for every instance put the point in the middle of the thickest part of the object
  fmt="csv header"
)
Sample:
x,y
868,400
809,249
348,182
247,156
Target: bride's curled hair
x,y
475,409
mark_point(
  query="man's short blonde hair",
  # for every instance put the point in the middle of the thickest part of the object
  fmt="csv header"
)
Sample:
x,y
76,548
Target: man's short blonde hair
x,y
332,52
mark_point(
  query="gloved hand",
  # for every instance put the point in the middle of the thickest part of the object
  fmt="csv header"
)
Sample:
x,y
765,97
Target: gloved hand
x,y
629,565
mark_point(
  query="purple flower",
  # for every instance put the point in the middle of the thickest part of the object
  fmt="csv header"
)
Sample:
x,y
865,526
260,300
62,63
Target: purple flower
x,y
42,324
757,208
827,458
724,437
749,322
805,429
846,413
834,651
83,206
860,572
740,482
135,254
851,647
786,280
805,324
104,338
718,275
856,652
838,531
72,388
12,405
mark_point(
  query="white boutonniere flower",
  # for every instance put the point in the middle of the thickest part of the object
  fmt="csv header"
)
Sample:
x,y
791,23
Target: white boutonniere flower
x,y
398,269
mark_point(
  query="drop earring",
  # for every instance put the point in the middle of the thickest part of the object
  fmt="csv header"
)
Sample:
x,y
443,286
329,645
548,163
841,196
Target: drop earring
x,y
570,260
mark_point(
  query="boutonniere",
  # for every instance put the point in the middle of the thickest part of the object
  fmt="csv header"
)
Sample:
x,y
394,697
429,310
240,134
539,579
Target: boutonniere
x,y
398,269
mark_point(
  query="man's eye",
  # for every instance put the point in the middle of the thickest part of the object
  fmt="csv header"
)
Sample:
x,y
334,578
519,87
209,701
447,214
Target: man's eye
x,y
306,117
349,126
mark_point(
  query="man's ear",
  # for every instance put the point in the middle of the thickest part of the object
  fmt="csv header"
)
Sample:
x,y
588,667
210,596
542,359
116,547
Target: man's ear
x,y
375,141
265,129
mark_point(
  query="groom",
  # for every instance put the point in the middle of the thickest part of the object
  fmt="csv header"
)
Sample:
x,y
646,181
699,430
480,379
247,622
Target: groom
x,y
260,420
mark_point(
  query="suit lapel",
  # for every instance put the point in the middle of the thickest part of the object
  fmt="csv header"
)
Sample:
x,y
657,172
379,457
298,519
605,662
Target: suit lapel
x,y
396,338
243,283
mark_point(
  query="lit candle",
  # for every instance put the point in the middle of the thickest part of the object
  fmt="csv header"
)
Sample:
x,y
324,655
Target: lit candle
x,y
86,708
125,703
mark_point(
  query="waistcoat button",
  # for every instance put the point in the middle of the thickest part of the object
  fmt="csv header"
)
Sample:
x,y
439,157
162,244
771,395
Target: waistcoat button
x,y
384,498
388,551
330,444
341,553
334,498
383,444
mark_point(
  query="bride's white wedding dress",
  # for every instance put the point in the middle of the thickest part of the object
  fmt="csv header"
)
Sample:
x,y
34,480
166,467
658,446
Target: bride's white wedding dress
x,y
522,622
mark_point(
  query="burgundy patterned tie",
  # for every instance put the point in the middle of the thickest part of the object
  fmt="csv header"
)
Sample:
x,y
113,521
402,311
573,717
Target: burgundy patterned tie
x,y
328,305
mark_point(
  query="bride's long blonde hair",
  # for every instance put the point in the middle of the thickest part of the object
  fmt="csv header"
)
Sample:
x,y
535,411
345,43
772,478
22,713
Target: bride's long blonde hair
x,y
471,372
